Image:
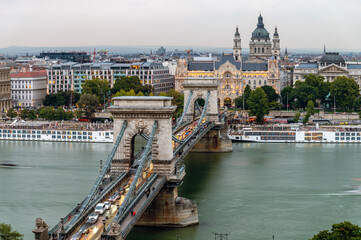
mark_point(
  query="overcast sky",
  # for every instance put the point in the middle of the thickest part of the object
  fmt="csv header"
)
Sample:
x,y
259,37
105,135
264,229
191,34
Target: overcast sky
x,y
208,23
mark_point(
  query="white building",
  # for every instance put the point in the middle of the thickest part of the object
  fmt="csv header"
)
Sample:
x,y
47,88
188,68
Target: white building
x,y
28,89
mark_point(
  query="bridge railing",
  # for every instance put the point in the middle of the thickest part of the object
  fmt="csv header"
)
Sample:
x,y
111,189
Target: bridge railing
x,y
142,209
144,159
106,193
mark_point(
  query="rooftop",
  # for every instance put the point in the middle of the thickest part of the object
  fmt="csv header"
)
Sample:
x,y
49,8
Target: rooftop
x,y
28,74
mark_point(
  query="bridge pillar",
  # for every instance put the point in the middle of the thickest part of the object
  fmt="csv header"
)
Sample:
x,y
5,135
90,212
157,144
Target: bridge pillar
x,y
140,113
216,140
200,88
169,210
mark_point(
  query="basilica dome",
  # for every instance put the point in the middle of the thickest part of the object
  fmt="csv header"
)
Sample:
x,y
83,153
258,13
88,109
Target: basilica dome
x,y
260,32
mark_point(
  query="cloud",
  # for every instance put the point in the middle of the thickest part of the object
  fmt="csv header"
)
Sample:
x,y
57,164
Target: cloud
x,y
301,24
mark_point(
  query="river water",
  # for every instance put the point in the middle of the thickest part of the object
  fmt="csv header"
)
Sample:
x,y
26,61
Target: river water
x,y
291,191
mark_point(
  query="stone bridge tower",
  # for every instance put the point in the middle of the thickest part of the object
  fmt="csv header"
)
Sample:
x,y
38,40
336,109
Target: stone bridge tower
x,y
200,88
141,113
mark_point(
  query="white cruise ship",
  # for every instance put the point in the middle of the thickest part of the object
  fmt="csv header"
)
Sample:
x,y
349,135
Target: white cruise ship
x,y
56,135
338,135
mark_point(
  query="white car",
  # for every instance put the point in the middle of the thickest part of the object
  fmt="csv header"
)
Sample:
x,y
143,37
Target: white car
x,y
93,218
107,205
100,208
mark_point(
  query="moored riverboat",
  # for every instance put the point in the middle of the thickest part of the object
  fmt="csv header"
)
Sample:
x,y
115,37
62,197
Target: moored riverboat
x,y
56,135
335,135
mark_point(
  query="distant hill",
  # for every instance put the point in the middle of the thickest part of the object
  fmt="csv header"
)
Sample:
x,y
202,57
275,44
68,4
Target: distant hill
x,y
126,50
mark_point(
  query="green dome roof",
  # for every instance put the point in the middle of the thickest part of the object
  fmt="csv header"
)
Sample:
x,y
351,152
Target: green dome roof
x,y
260,32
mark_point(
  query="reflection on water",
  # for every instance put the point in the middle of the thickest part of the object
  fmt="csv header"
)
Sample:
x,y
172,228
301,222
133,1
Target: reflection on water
x,y
291,191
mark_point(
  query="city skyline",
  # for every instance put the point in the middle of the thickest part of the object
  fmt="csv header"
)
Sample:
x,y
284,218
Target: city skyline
x,y
310,24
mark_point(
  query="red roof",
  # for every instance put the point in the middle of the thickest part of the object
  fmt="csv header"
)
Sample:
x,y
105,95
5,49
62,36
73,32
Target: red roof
x,y
28,74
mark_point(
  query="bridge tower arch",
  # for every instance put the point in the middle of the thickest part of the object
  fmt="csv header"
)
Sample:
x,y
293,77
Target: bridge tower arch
x,y
199,88
141,113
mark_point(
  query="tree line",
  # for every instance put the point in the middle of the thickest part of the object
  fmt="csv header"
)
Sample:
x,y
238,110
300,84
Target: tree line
x,y
342,94
96,93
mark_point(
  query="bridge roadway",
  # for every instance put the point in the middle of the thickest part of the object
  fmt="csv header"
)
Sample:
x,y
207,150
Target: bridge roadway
x,y
187,135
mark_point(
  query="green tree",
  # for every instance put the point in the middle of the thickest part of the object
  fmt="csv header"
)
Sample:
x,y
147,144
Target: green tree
x,y
120,93
11,113
302,93
131,92
272,96
258,104
178,100
59,114
131,82
7,233
32,114
246,94
323,88
69,115
346,91
297,116
90,103
47,113
96,86
287,95
24,114
310,111
340,231
79,113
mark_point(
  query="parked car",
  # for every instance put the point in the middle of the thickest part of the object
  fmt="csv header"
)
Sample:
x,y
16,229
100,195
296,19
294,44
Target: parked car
x,y
100,208
93,218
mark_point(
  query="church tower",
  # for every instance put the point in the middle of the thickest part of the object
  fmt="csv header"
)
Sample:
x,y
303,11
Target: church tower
x,y
260,44
276,48
237,46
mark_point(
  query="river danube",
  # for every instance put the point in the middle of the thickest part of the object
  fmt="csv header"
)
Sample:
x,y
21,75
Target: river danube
x,y
291,191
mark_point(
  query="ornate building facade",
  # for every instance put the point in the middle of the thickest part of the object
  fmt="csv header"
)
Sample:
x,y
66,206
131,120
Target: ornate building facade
x,y
5,91
330,66
233,74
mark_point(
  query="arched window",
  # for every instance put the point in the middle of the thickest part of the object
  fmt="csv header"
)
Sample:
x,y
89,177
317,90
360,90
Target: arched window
x,y
258,50
249,82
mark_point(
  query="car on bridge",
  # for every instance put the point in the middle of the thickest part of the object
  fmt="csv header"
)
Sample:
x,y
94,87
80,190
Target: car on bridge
x,y
93,218
100,208
107,205
114,198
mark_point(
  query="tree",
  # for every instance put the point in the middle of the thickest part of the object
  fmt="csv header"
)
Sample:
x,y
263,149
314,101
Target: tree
x,y
69,115
303,93
258,104
323,88
6,233
243,98
272,96
61,99
32,114
297,116
178,100
47,113
24,114
59,114
131,82
11,113
88,102
287,95
79,113
340,231
98,87
346,91
310,111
